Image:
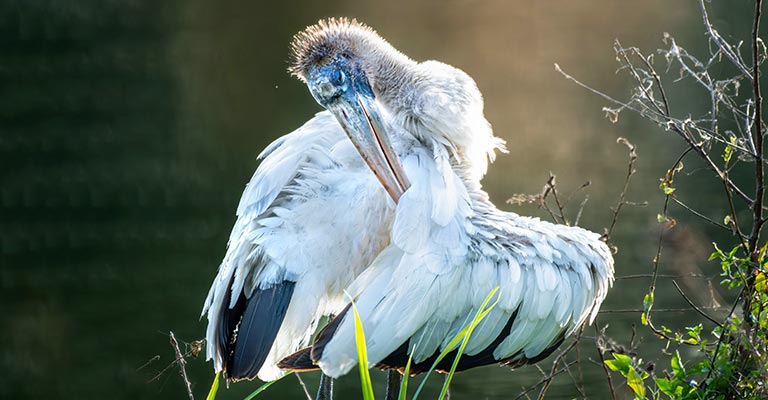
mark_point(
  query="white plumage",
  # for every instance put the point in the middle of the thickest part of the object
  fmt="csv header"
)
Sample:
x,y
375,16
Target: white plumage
x,y
312,214
449,245
315,221
428,285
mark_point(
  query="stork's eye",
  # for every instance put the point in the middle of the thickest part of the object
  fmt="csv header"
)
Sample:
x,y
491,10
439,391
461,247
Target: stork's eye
x,y
338,77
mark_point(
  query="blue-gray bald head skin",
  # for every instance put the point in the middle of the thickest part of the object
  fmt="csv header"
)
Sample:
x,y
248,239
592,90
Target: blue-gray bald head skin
x,y
341,79
351,50
339,60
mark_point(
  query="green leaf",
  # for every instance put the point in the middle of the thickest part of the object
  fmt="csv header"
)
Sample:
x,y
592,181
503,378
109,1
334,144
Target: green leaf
x,y
623,364
699,368
620,363
717,254
728,153
760,282
677,366
406,374
647,304
214,388
362,357
647,301
264,387
665,385
635,383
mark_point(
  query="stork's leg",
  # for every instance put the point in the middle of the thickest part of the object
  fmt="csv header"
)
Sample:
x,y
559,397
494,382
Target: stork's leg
x,y
393,384
325,392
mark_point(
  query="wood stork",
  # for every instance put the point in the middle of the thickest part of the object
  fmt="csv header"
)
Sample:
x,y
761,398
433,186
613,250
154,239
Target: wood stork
x,y
311,218
449,245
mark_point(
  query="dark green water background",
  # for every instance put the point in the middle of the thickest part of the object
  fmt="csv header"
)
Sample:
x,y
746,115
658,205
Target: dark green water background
x,y
128,130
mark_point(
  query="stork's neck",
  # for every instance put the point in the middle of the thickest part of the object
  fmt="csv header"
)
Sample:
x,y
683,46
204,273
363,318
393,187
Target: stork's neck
x,y
391,72
439,105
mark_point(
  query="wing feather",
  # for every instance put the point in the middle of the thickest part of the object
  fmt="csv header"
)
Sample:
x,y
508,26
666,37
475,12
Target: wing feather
x,y
282,159
245,261
448,251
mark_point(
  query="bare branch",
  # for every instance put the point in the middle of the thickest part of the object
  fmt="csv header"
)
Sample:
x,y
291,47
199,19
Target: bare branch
x,y
660,115
630,171
599,334
757,207
548,379
724,46
303,386
182,366
700,215
695,307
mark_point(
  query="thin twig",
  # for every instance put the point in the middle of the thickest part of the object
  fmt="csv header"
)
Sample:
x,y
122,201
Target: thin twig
x,y
551,184
757,126
303,386
150,361
659,310
182,366
695,307
722,44
700,215
640,276
575,191
598,334
556,362
581,209
657,258
723,334
545,379
630,171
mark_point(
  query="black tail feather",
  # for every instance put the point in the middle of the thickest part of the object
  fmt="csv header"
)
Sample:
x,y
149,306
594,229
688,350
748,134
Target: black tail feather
x,y
250,327
398,359
300,361
326,334
230,318
306,358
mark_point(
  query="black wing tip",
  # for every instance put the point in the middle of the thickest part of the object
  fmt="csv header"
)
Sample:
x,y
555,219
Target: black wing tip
x,y
326,334
398,359
257,325
306,359
300,361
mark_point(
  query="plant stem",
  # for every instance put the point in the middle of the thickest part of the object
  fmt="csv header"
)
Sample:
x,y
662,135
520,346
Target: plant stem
x,y
757,207
757,126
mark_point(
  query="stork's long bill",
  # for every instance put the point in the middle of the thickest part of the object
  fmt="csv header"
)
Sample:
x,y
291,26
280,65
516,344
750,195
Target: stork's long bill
x,y
363,124
346,93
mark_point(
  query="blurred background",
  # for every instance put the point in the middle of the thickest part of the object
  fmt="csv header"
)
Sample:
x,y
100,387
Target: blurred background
x,y
128,130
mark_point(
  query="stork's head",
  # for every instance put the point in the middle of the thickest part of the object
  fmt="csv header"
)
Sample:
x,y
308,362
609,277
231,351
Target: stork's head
x,y
336,59
353,72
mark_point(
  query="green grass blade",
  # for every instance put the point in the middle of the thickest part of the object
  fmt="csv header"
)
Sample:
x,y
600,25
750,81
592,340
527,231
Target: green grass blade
x,y
362,357
264,387
214,388
481,313
404,382
463,337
